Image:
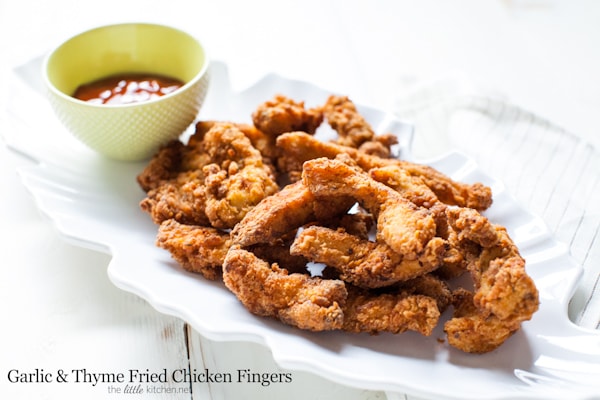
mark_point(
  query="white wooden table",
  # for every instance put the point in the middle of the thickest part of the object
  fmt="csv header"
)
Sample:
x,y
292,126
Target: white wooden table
x,y
58,308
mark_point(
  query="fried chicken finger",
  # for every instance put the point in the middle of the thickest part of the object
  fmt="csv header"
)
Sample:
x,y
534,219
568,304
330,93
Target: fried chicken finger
x,y
361,262
299,147
387,312
295,299
196,248
405,227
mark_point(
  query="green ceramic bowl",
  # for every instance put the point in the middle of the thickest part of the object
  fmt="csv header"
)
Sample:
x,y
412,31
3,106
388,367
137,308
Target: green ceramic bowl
x,y
130,131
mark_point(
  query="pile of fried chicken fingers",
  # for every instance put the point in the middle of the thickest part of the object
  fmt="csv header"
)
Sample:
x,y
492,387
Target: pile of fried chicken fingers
x,y
260,205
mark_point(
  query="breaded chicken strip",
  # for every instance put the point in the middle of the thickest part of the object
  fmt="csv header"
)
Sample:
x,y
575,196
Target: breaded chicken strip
x,y
212,180
295,299
476,195
162,167
361,262
410,186
174,183
196,248
344,118
405,227
365,311
285,211
502,285
203,249
353,130
182,198
299,147
279,253
380,146
236,179
264,143
471,226
282,114
358,224
474,331
431,286
504,297
173,158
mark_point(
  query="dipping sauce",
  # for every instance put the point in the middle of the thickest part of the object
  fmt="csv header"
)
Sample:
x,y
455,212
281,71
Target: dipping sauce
x,y
127,89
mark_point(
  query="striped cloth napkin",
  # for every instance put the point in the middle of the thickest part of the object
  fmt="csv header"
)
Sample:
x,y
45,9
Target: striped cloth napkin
x,y
551,172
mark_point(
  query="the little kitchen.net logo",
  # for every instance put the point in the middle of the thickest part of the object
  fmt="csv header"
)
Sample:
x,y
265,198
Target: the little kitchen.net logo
x,y
137,381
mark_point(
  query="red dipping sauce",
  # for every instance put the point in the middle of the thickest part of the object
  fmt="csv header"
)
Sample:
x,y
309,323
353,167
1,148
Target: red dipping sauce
x,y
127,89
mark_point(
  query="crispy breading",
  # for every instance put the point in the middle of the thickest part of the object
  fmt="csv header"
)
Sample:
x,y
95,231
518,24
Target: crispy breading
x,y
285,211
411,187
299,147
279,253
213,180
380,146
264,143
504,296
365,311
351,126
359,223
389,233
354,130
449,191
283,114
174,183
506,290
362,262
472,226
196,248
295,299
431,286
236,179
502,285
474,331
163,166
405,227
182,198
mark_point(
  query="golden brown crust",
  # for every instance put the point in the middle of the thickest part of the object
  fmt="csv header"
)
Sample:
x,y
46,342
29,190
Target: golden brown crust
x,y
196,248
362,262
474,331
405,227
283,212
236,180
386,264
504,296
161,167
395,313
352,128
298,147
411,187
502,286
431,286
282,114
213,180
295,299
182,198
